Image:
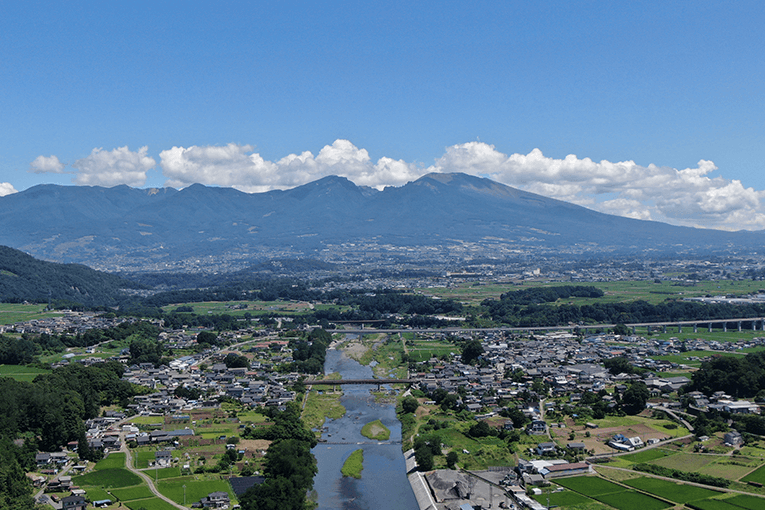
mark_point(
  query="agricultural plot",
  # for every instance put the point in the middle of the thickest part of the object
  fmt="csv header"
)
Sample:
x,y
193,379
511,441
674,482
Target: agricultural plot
x,y
590,485
108,478
631,500
21,373
646,455
195,489
748,502
677,492
715,504
112,461
685,461
563,499
757,476
149,504
130,493
732,468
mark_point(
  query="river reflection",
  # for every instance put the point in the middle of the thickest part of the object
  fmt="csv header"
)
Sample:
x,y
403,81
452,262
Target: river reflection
x,y
383,483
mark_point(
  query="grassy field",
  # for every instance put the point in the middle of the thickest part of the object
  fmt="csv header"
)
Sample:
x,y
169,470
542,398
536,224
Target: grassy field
x,y
21,373
646,455
563,499
376,430
677,492
354,464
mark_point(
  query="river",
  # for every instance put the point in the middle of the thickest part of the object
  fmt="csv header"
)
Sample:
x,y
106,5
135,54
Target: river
x,y
383,484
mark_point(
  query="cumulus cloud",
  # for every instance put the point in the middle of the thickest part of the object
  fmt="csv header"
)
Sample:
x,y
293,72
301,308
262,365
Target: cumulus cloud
x,y
6,188
689,197
239,167
46,165
111,168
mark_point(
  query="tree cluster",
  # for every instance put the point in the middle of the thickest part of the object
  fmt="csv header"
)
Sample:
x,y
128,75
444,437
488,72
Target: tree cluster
x,y
737,376
289,465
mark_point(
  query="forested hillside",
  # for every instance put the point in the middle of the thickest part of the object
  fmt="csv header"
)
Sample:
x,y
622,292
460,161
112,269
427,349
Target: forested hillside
x,y
24,278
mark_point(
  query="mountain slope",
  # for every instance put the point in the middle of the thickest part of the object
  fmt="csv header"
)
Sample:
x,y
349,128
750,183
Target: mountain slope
x,y
122,226
24,278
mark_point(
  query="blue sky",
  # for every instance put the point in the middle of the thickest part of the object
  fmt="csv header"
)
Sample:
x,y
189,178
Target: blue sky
x,y
652,110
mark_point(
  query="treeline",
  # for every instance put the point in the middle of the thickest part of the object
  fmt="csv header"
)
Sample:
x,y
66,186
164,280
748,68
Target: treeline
x,y
53,407
513,314
289,464
309,354
25,349
735,375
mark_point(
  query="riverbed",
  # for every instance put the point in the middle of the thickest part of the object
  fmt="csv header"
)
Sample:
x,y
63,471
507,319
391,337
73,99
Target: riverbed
x,y
383,484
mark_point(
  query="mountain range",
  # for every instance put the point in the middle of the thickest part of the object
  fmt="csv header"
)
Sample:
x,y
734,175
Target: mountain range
x,y
123,226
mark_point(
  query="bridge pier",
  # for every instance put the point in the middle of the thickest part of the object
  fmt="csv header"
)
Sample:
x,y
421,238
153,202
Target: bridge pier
x,y
633,330
649,329
739,326
664,329
725,327
710,327
695,328
679,328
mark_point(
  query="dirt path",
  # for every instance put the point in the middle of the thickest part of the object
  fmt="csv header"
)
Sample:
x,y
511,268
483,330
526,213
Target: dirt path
x,y
146,478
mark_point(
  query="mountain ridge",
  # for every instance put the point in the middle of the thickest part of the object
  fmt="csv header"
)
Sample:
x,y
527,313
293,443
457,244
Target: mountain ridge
x,y
104,226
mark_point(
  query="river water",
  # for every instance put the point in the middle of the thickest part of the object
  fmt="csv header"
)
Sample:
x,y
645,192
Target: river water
x,y
383,483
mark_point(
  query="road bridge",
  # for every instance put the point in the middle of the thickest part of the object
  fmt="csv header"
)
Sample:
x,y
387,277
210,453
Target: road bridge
x,y
755,323
340,382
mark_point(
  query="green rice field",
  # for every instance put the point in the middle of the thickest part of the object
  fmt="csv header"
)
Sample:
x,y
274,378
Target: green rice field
x,y
677,492
108,478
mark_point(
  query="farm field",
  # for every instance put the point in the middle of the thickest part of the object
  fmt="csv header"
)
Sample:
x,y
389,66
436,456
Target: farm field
x,y
611,494
112,461
620,291
564,499
129,493
756,476
11,313
108,478
677,492
149,504
196,488
685,461
21,373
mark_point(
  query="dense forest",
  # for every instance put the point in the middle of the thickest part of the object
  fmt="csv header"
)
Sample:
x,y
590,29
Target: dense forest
x,y
24,278
742,377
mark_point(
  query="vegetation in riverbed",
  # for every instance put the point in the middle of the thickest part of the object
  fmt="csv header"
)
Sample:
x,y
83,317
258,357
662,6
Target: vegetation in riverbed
x,y
376,430
354,464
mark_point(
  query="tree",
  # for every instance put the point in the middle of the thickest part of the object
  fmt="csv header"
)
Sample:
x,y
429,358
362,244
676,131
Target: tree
x,y
424,458
635,398
207,337
471,351
451,459
409,404
621,329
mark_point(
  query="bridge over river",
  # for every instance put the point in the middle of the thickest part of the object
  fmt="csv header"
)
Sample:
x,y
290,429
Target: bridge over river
x,y
340,382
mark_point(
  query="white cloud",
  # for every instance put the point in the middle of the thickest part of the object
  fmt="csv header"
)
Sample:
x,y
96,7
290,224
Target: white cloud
x,y
690,196
46,165
6,188
111,168
686,197
237,166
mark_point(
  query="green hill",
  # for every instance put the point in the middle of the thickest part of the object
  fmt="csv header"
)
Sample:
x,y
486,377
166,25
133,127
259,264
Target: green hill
x,y
24,278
